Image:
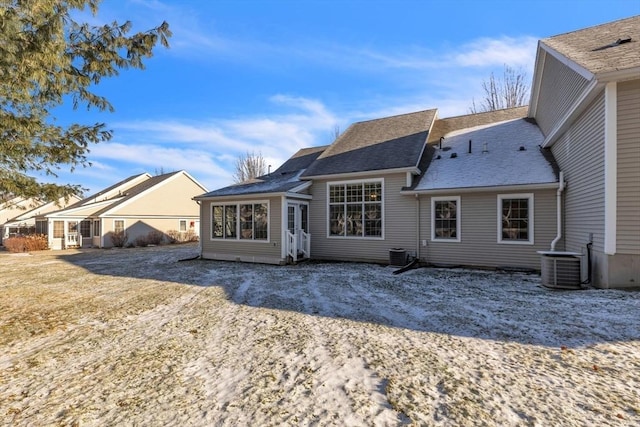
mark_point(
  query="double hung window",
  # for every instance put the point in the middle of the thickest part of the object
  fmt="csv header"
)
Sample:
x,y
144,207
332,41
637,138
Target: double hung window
x,y
515,223
445,219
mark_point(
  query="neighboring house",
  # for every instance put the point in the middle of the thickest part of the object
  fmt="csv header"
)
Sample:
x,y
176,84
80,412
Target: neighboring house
x,y
135,206
586,101
13,206
486,190
25,222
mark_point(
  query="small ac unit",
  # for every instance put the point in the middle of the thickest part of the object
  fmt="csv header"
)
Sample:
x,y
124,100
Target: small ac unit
x,y
560,270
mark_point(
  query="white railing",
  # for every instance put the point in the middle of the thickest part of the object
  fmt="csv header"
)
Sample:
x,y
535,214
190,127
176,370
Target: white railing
x,y
298,243
292,246
305,244
71,239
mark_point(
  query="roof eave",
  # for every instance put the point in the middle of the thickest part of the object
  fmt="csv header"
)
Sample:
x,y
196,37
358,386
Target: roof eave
x,y
348,175
498,188
619,75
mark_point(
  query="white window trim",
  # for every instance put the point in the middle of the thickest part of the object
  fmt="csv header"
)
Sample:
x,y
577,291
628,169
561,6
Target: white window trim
x,y
328,203
186,225
528,196
124,224
458,219
237,238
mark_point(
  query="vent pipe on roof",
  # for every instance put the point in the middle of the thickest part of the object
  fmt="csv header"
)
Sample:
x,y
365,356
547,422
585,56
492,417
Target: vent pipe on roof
x,y
469,146
441,139
485,147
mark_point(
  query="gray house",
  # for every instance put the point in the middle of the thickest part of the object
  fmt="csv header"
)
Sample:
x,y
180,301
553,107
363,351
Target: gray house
x,y
586,102
485,190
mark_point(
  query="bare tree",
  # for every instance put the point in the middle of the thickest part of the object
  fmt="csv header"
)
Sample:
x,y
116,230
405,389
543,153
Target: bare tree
x,y
249,166
510,91
335,133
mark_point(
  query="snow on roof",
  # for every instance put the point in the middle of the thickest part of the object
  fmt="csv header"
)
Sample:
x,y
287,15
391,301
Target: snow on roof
x,y
273,183
504,153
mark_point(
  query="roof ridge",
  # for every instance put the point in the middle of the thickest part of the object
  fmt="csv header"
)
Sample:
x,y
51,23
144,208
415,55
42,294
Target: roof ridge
x,y
591,27
394,116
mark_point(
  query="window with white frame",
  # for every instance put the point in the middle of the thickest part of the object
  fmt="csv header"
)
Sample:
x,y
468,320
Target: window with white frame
x,y
355,209
96,227
58,229
445,219
182,225
245,221
515,218
118,226
85,228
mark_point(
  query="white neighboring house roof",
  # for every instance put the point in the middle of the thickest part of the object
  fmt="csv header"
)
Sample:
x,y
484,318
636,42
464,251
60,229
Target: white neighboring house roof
x,y
504,162
28,218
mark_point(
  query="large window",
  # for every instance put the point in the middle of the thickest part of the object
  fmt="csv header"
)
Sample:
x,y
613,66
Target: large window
x,y
247,221
515,223
355,209
445,219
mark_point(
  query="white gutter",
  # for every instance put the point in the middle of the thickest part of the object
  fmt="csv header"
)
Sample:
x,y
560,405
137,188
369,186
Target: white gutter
x,y
559,212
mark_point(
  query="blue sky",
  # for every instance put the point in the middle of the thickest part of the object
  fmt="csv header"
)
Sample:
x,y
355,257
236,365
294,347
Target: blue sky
x,y
276,76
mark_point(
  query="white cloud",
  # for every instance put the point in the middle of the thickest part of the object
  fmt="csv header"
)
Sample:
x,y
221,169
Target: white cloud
x,y
487,52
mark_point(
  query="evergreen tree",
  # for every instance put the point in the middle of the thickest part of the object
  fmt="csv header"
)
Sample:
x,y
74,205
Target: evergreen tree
x,y
46,59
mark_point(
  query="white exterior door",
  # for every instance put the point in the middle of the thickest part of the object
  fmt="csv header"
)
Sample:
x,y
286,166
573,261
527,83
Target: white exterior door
x,y
298,229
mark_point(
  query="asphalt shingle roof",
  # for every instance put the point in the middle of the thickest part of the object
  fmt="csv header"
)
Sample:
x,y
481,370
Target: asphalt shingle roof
x,y
597,48
283,179
388,143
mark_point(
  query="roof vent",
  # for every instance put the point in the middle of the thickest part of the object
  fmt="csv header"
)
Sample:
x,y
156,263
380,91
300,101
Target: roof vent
x,y
438,157
454,155
485,147
522,148
614,44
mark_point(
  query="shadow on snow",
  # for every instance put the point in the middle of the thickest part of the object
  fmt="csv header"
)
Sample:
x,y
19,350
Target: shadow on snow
x,y
479,304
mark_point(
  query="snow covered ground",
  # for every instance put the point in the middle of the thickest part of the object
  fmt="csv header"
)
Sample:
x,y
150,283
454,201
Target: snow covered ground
x,y
134,337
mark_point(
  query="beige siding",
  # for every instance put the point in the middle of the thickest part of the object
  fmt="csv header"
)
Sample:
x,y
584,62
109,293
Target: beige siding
x,y
628,209
173,198
251,251
580,155
478,245
399,225
139,227
559,89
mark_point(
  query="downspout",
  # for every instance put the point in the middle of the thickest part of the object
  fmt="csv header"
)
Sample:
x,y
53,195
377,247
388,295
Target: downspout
x,y
559,212
201,236
418,227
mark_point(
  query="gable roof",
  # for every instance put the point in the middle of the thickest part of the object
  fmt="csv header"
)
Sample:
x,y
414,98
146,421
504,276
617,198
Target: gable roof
x,y
502,162
602,49
133,192
108,199
110,192
395,142
284,179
